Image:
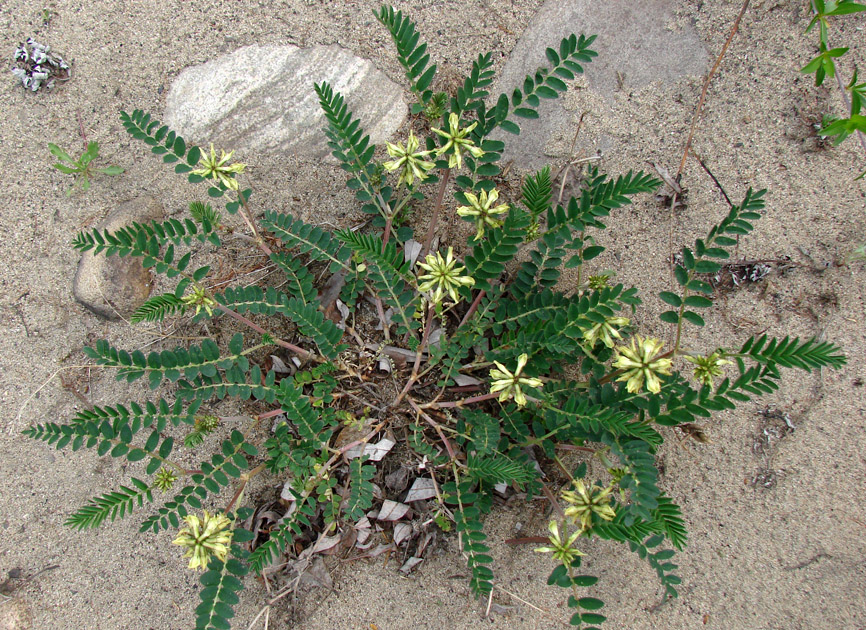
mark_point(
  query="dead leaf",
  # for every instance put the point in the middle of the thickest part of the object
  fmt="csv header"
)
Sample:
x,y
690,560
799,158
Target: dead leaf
x,y
397,480
317,575
402,532
326,543
374,451
411,251
329,294
279,366
462,380
668,179
392,511
410,564
422,488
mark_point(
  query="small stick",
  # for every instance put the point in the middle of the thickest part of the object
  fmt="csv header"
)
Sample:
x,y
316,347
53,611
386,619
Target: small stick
x,y
706,86
713,177
81,129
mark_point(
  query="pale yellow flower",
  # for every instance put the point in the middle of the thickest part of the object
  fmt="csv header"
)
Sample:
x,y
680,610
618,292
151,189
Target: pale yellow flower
x,y
509,383
204,537
481,207
219,169
200,300
706,368
409,159
444,275
457,142
605,331
584,502
562,551
641,362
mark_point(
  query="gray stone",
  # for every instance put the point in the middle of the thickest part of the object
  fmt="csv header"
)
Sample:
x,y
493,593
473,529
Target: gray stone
x,y
114,287
15,614
637,44
261,99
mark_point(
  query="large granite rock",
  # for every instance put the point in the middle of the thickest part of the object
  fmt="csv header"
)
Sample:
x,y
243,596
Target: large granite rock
x,y
637,44
261,98
114,287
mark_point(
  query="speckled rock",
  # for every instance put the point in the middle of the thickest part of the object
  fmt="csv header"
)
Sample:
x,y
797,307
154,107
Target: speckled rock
x,y
114,287
15,615
261,98
638,43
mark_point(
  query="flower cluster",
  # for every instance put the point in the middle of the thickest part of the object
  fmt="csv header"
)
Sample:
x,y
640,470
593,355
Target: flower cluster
x,y
583,502
200,300
481,208
706,368
164,479
508,383
219,169
443,274
605,331
641,362
457,142
562,550
204,537
409,159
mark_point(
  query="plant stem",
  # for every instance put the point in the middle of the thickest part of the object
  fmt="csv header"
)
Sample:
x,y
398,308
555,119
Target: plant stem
x,y
451,452
462,402
285,344
247,216
244,479
706,86
418,354
472,308
440,196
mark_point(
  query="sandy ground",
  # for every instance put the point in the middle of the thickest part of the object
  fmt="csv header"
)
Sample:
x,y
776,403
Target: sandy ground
x,y
788,556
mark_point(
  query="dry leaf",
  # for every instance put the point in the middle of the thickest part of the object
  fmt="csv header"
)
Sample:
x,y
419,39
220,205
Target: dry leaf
x,y
402,532
410,564
411,251
326,543
422,488
374,451
392,511
462,380
397,480
279,366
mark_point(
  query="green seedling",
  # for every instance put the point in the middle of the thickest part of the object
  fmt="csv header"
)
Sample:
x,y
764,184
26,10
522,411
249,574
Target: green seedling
x,y
82,167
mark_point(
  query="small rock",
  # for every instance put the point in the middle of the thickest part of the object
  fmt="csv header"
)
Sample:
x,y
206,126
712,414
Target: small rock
x,y
635,47
15,615
260,99
111,286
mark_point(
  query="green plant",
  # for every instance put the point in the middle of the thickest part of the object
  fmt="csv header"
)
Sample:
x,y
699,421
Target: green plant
x,y
489,369
82,168
824,65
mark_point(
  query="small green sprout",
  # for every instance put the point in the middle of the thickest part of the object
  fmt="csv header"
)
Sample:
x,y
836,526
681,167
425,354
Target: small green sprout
x,y
82,167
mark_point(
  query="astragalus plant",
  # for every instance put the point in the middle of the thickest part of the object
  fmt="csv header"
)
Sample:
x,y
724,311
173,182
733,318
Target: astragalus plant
x,y
489,371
